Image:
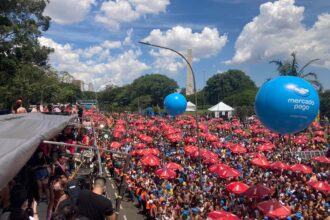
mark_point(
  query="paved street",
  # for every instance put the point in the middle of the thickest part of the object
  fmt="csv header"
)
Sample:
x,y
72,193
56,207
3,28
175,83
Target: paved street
x,y
128,211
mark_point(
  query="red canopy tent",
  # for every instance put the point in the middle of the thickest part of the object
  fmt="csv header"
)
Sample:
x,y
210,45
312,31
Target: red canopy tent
x,y
258,191
217,167
261,162
237,187
221,215
165,173
278,165
210,160
266,147
173,166
115,144
320,185
140,145
301,168
238,149
321,159
274,209
227,173
319,139
190,149
190,140
150,160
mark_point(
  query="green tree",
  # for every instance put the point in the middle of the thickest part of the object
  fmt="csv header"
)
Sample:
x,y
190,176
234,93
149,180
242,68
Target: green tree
x,y
23,61
226,84
156,86
325,104
291,68
242,98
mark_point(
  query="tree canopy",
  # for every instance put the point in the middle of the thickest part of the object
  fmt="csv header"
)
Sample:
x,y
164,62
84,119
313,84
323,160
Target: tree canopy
x,y
225,84
325,103
24,69
147,90
291,68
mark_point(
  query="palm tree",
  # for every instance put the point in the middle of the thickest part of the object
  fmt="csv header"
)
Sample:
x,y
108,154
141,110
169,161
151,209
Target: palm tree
x,y
291,68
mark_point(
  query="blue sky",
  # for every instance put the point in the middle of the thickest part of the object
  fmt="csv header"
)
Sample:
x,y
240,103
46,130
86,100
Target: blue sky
x,y
97,41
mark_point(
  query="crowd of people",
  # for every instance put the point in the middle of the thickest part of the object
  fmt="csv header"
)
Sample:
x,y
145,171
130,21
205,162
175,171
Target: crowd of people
x,y
179,170
193,191
50,180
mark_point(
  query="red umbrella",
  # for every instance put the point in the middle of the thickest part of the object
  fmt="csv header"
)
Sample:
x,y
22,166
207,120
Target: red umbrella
x,y
321,159
127,140
165,173
190,140
145,138
301,168
319,133
117,134
140,128
258,191
256,154
216,144
203,152
238,149
221,215
173,166
260,161
266,147
320,185
150,160
300,141
217,167
153,151
140,145
229,172
278,165
237,187
154,129
132,152
274,209
212,138
319,139
210,160
190,149
115,144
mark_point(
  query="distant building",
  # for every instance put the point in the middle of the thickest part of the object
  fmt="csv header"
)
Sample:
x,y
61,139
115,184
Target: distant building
x,y
90,87
79,83
189,79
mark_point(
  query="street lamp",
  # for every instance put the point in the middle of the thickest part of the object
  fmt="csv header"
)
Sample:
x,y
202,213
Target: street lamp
x,y
195,93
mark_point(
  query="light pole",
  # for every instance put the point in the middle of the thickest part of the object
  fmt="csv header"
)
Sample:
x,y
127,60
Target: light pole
x,y
195,93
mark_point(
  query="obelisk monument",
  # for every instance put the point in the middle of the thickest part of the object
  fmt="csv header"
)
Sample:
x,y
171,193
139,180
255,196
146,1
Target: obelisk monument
x,y
189,80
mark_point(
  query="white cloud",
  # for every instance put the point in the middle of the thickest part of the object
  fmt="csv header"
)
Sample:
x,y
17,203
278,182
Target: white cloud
x,y
95,64
128,38
68,11
278,30
111,44
113,13
205,44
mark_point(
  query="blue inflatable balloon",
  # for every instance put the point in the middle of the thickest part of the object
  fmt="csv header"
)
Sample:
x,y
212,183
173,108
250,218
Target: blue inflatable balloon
x,y
287,104
175,104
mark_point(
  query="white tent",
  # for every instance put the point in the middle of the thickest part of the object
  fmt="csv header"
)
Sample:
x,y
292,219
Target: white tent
x,y
20,135
191,107
223,108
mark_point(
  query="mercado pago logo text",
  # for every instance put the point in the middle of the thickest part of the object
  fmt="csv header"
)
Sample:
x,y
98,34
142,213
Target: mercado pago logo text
x,y
300,103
